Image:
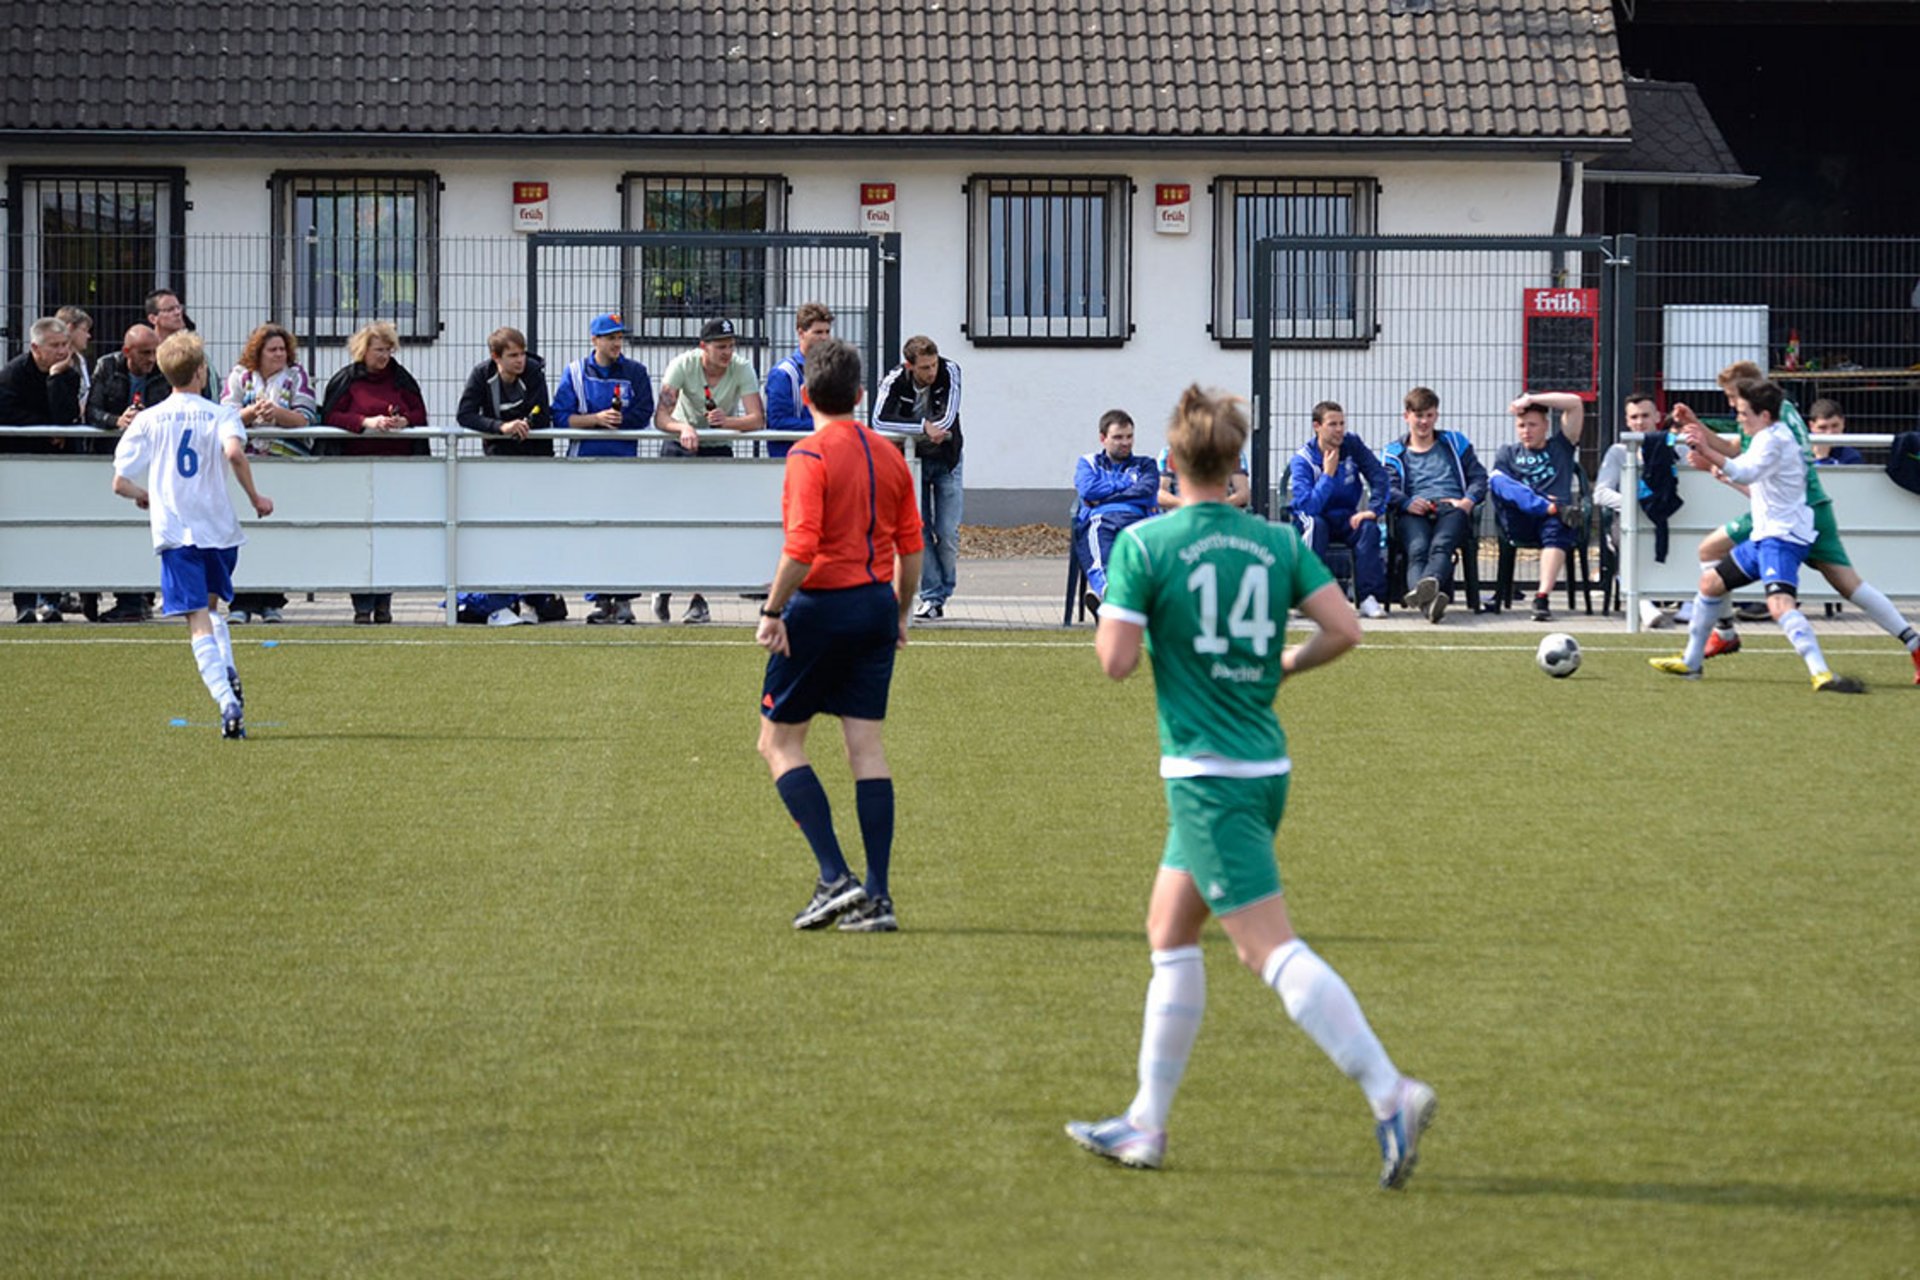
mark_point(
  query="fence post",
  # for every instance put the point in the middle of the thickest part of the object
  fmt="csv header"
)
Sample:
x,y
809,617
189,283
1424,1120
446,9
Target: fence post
x,y
1262,371
533,293
889,299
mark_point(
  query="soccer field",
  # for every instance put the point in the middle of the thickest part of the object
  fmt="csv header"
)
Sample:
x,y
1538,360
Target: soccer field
x,y
475,961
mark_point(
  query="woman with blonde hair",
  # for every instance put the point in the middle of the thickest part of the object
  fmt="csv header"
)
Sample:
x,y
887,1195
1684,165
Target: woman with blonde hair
x,y
372,396
270,389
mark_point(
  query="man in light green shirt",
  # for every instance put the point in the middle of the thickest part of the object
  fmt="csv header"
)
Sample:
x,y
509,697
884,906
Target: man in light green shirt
x,y
706,389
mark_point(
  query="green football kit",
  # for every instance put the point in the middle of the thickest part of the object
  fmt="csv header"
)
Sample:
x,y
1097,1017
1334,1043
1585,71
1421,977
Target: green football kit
x,y
1212,586
1827,547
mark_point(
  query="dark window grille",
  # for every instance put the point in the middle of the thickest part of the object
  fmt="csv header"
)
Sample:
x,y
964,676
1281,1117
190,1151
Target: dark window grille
x,y
354,248
1320,297
1048,260
669,293
101,241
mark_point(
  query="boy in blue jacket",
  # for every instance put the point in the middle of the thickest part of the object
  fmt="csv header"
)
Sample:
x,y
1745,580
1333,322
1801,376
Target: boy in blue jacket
x,y
1116,488
1339,496
1437,482
1532,485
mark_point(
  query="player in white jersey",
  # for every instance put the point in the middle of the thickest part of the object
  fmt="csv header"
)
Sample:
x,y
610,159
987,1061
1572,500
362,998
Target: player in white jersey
x,y
182,448
1775,474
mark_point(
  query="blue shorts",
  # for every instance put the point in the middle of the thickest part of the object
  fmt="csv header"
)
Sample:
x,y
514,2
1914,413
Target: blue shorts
x,y
840,658
1541,530
1772,560
191,576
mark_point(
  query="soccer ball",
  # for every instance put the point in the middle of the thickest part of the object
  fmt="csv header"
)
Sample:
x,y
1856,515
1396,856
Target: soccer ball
x,y
1558,655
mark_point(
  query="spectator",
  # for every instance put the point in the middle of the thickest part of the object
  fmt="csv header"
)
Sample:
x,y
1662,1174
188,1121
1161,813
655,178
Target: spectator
x,y
124,382
921,399
270,389
167,314
605,391
372,396
80,337
40,387
1116,487
1661,455
1437,482
1532,485
786,403
708,388
1826,419
505,400
1239,487
1339,494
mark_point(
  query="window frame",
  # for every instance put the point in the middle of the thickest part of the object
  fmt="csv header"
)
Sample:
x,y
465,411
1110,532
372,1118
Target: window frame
x,y
25,268
986,329
1230,329
424,326
648,324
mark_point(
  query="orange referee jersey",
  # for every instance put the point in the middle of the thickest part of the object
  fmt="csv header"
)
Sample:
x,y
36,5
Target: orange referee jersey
x,y
847,506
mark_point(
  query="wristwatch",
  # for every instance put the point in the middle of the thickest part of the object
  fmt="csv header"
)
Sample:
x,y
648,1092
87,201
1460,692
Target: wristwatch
x,y
772,613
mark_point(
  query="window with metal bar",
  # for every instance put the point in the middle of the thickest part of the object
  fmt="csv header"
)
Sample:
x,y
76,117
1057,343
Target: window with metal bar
x,y
670,292
101,240
1048,260
1320,297
352,248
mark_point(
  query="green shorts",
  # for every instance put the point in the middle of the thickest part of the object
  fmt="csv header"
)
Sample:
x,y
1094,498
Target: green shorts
x,y
1826,549
1220,831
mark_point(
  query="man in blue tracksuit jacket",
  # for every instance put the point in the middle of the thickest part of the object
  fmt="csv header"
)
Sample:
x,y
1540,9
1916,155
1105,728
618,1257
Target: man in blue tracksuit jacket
x,y
1339,497
1116,488
604,391
1436,483
786,408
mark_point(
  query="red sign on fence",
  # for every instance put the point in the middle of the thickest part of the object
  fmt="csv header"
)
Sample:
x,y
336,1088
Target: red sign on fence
x,y
1560,341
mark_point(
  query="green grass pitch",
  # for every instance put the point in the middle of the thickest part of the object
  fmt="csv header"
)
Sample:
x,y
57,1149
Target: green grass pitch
x,y
475,961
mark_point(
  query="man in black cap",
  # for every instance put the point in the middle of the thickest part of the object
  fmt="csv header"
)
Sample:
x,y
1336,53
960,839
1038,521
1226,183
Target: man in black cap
x,y
709,388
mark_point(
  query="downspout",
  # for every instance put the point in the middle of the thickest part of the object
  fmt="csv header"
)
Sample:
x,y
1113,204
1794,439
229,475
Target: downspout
x,y
1560,213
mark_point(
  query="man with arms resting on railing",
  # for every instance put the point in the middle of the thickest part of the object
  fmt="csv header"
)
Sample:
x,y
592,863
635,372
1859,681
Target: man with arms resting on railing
x,y
40,387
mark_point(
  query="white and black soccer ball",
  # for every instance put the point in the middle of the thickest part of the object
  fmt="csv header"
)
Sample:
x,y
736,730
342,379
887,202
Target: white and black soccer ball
x,y
1558,655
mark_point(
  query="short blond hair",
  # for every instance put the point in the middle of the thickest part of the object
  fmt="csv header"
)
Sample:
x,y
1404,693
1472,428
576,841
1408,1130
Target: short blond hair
x,y
181,358
1740,371
1206,434
364,337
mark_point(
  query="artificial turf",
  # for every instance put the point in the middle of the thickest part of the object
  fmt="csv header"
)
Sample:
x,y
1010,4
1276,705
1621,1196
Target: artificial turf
x,y
475,961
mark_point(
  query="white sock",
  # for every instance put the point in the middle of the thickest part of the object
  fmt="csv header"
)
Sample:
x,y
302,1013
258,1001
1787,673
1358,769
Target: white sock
x,y
1706,610
1800,632
1176,997
213,670
1320,1004
222,635
1876,606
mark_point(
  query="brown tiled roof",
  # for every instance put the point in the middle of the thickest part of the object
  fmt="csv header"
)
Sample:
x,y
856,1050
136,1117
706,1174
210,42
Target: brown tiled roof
x,y
1674,140
1234,71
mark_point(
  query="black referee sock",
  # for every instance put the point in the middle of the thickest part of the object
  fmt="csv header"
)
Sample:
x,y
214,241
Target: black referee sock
x,y
806,800
873,797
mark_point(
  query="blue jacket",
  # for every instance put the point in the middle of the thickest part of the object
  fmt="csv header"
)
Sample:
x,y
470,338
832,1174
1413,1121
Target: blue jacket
x,y
1315,494
1129,490
1473,476
585,387
785,412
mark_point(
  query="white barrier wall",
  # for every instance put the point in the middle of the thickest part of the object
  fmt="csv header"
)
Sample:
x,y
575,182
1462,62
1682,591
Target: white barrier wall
x,y
452,523
1879,521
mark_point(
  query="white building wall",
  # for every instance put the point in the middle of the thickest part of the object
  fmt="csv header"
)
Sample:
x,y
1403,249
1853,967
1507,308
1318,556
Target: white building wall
x,y
1028,411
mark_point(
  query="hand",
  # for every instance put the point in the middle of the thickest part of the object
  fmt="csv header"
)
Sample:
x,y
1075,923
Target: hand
x,y
608,418
1701,460
1464,505
262,505
127,415
1519,405
1684,416
934,433
1359,518
715,418
518,428
141,500
61,366
772,635
1420,506
690,439
1330,463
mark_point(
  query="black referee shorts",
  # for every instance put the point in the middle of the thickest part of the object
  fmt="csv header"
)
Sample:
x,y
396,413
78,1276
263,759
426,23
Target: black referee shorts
x,y
840,659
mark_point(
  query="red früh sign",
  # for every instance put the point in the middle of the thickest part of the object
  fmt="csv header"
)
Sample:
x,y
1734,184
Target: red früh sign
x,y
1560,341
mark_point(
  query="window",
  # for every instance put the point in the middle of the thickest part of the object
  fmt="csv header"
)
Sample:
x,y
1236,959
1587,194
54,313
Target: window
x,y
97,239
351,248
676,290
1047,260
1321,297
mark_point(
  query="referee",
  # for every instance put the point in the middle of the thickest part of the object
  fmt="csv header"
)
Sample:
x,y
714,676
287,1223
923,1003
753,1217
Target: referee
x,y
832,622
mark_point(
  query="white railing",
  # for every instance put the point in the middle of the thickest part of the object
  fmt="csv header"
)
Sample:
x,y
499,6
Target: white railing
x,y
452,522
1879,520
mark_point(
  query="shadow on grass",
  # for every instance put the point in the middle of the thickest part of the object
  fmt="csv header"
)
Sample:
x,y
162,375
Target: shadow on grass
x,y
1139,935
1732,1195
387,735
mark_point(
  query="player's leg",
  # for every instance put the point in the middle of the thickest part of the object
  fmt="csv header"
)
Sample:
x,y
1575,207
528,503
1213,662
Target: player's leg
x,y
1176,1000
1845,579
790,696
1780,568
1714,550
873,802
1716,583
184,593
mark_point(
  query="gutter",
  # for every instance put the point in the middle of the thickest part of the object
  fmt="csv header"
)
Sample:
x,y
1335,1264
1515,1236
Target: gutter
x,y
1651,178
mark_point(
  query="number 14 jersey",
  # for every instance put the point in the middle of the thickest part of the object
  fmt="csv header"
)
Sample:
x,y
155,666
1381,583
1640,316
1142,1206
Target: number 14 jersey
x,y
1213,586
175,450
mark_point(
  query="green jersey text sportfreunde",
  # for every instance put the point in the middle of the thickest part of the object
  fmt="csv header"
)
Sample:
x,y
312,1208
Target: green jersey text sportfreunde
x,y
1213,586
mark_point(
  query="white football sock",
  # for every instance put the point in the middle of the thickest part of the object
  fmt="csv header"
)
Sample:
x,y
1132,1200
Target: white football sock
x,y
1800,632
1176,997
1320,1004
1706,610
213,670
1876,606
222,636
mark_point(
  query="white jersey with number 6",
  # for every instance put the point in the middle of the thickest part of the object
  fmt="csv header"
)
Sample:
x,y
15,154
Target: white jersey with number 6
x,y
178,444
